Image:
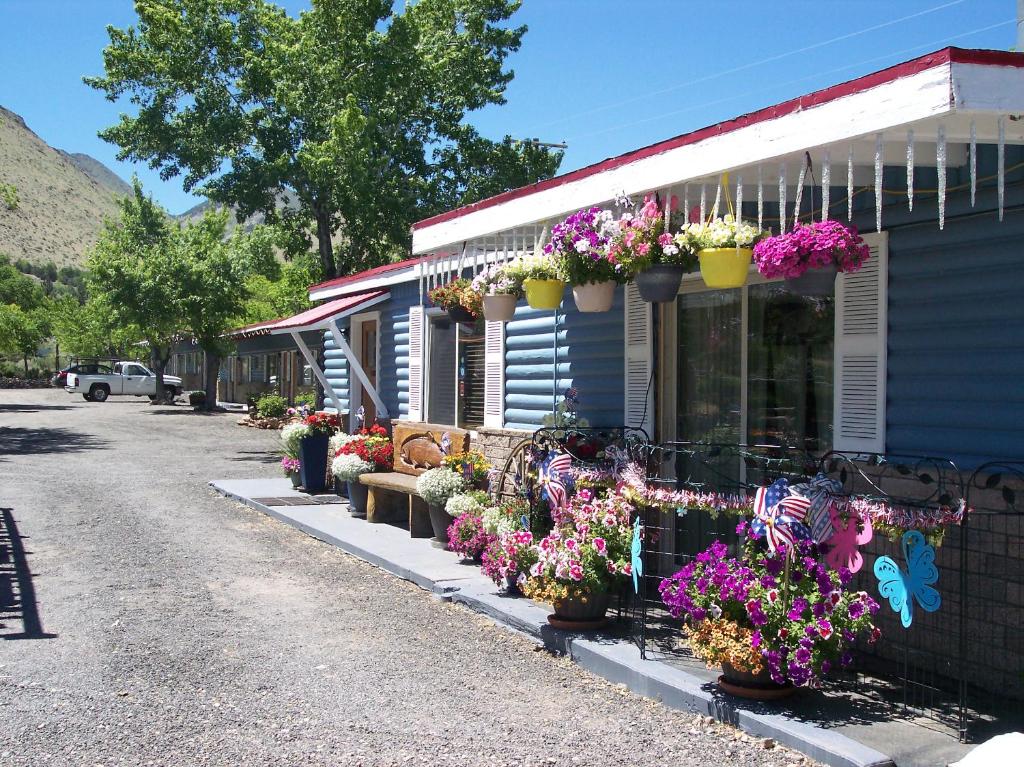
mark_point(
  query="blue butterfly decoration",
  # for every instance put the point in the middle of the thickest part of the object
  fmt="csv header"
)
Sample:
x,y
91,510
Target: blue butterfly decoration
x,y
901,587
637,560
525,522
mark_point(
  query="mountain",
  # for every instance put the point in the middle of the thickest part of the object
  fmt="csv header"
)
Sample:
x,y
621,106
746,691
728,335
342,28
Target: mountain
x,y
61,198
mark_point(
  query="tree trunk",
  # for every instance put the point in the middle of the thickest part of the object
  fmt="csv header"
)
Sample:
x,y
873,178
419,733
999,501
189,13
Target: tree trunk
x,y
24,358
324,244
159,363
211,368
56,356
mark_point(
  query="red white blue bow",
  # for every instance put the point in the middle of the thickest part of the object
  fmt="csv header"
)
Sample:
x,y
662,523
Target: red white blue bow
x,y
779,516
821,492
551,476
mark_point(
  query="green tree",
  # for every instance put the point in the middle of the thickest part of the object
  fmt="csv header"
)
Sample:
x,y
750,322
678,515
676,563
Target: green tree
x,y
89,330
353,114
270,298
214,283
17,288
23,331
134,272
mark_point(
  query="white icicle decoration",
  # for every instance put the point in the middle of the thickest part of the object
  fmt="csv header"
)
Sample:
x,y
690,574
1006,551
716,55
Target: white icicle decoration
x,y
718,199
686,203
849,185
826,184
739,198
760,199
974,162
703,201
782,198
1001,166
799,193
940,169
910,169
879,146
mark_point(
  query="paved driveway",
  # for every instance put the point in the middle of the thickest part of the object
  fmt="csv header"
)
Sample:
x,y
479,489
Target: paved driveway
x,y
161,624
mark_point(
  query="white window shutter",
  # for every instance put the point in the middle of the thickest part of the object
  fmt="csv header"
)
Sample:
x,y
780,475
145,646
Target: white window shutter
x,y
494,374
860,352
416,331
639,362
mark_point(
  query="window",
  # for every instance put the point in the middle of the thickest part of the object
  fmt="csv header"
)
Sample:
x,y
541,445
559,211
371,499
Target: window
x,y
755,365
455,370
272,368
257,368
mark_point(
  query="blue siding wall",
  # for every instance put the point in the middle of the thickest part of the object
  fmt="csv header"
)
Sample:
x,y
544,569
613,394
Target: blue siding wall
x,y
590,357
336,368
956,339
394,348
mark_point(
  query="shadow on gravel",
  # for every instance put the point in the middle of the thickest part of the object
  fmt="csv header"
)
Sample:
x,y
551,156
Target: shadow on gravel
x,y
31,408
256,456
17,595
15,440
183,410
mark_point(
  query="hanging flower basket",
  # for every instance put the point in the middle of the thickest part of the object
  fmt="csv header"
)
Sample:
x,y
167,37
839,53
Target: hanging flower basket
x,y
725,267
460,314
594,296
500,308
659,283
814,282
544,294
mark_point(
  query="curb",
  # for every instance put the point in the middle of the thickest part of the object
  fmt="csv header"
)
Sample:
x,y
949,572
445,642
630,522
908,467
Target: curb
x,y
617,662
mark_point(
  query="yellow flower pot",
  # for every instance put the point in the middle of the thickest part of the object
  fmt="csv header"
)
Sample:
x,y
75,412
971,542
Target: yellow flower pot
x,y
544,294
725,267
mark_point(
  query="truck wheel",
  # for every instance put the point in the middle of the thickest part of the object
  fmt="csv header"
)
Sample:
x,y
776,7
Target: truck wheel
x,y
99,393
87,397
170,393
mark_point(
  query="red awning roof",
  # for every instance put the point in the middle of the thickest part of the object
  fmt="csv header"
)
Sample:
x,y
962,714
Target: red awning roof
x,y
314,318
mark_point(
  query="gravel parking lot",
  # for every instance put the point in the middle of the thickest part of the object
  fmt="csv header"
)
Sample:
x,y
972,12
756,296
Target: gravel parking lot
x,y
174,627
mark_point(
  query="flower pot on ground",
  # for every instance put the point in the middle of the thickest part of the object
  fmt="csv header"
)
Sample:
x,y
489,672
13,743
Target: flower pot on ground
x,y
296,478
594,296
290,466
753,686
500,308
196,398
440,521
313,462
659,283
544,294
436,486
579,611
466,535
358,495
725,267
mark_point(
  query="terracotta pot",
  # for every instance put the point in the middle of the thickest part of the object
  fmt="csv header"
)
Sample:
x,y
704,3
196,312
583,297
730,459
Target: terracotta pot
x,y
500,308
594,296
725,267
439,520
659,284
461,314
814,282
544,294
757,686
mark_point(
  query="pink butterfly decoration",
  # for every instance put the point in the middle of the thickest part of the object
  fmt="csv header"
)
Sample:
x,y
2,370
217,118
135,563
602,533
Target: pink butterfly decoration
x,y
843,545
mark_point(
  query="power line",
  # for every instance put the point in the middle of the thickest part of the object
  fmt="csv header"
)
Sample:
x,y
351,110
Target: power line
x,y
753,64
734,96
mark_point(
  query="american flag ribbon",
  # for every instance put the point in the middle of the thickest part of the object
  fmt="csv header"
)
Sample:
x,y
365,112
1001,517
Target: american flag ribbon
x,y
779,516
551,473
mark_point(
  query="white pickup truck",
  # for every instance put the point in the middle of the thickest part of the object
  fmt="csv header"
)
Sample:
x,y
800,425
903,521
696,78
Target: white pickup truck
x,y
131,378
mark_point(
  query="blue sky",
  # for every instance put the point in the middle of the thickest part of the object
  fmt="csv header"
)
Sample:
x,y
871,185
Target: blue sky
x,y
606,76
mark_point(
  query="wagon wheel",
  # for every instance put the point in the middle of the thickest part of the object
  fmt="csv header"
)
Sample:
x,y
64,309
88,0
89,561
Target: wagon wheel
x,y
510,480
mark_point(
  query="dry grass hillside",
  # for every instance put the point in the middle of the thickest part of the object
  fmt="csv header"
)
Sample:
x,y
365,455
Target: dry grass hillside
x,y
60,206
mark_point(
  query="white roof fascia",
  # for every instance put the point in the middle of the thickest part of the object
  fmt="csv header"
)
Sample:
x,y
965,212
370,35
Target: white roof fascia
x,y
923,95
396,277
325,324
987,88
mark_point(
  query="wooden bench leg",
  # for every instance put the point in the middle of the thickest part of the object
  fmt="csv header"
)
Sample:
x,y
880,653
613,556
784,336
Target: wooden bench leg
x,y
373,506
419,518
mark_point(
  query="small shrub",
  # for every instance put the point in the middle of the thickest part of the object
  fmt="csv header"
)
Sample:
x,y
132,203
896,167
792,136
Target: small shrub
x,y
271,406
308,399
9,194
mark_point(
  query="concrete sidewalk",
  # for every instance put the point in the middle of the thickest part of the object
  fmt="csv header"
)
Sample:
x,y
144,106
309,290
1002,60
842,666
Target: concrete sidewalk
x,y
614,658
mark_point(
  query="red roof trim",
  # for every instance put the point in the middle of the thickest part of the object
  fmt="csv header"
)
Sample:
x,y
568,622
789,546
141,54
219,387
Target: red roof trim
x,y
359,276
320,313
896,72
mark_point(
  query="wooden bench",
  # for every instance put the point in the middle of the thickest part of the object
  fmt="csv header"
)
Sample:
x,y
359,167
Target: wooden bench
x,y
417,449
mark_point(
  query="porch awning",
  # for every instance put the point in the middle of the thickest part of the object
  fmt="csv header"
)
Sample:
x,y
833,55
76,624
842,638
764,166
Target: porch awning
x,y
320,317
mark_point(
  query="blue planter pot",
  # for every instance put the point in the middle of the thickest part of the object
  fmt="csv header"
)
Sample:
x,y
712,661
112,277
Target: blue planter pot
x,y
313,462
358,495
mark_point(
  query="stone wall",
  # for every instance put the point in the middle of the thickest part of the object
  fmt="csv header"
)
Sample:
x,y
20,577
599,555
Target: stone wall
x,y
497,444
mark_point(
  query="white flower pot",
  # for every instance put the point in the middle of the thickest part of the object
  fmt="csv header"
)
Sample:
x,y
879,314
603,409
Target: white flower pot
x,y
594,296
500,308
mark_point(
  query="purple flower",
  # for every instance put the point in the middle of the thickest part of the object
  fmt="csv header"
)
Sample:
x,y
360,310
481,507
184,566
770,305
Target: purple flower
x,y
856,609
845,659
803,656
796,610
